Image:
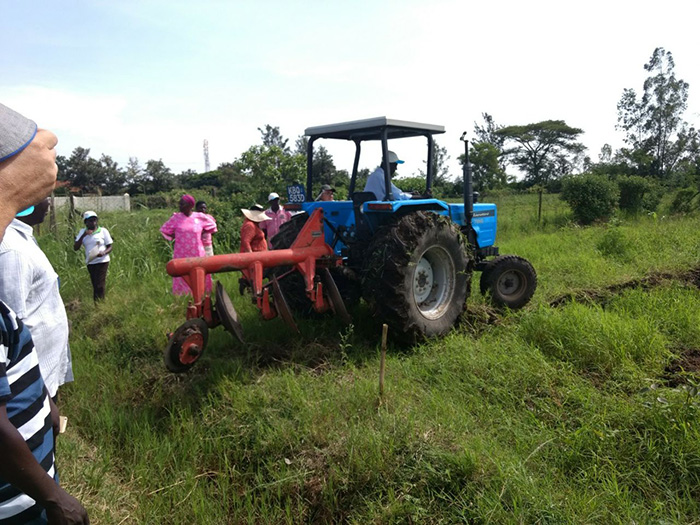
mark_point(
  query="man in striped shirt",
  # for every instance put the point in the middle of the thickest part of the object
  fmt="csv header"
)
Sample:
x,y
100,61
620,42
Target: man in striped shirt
x,y
29,492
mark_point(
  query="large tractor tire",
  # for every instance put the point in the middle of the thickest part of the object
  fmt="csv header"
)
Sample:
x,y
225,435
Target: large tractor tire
x,y
509,280
293,286
417,275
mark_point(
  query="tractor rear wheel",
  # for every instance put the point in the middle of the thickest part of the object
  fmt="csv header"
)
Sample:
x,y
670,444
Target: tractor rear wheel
x,y
509,280
417,275
293,286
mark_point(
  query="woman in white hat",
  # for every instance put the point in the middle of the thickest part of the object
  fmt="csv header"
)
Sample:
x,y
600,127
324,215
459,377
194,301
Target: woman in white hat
x,y
252,237
98,246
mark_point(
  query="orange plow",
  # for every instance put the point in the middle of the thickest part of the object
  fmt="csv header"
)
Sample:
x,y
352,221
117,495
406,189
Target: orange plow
x,y
309,255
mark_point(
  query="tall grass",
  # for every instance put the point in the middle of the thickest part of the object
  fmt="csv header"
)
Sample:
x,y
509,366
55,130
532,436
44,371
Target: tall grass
x,y
548,415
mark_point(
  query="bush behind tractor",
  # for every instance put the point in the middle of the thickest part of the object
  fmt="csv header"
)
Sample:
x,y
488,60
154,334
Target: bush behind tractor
x,y
411,260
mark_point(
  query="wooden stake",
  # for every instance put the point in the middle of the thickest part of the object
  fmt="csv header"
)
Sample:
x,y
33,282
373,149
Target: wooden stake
x,y
385,330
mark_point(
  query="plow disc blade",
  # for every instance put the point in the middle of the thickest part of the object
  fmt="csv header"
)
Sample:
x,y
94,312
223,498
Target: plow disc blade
x,y
186,345
281,305
334,297
227,313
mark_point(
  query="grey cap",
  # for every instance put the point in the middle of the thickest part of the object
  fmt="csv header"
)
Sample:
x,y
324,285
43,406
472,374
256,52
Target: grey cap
x,y
16,132
327,187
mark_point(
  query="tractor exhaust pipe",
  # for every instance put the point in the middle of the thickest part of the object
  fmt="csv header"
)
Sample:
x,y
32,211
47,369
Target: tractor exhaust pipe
x,y
468,193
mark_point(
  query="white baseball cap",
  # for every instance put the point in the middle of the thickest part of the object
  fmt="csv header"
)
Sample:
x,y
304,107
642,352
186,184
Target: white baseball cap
x,y
394,158
89,215
272,196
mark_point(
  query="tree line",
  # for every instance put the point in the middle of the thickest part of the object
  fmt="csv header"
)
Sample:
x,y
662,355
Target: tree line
x,y
658,144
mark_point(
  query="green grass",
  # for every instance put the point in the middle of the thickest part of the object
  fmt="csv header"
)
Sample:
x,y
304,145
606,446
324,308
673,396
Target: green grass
x,y
566,414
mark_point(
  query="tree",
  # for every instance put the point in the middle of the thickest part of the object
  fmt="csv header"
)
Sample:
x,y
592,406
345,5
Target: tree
x,y
300,145
113,177
271,136
133,173
487,173
441,172
158,176
488,134
323,167
539,146
82,171
270,169
655,130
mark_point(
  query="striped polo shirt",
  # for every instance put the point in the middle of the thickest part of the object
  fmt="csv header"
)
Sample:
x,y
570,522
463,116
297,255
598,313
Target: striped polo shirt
x,y
22,390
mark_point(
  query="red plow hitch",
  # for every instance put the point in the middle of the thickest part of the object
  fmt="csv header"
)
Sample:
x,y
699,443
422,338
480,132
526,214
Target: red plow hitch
x,y
309,255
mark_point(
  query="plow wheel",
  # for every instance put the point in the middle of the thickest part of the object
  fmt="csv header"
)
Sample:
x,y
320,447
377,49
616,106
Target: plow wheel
x,y
227,313
417,275
186,345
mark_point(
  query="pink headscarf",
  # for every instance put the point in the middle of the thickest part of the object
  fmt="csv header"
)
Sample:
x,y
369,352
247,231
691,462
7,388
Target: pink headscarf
x,y
188,198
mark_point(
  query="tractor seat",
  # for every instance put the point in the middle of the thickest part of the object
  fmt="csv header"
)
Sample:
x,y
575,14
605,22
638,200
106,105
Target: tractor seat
x,y
360,197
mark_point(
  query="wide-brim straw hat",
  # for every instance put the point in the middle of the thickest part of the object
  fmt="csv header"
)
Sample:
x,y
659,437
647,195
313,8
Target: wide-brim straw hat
x,y
255,215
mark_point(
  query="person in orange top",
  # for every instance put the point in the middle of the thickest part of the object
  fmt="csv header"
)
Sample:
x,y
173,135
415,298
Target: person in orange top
x,y
252,236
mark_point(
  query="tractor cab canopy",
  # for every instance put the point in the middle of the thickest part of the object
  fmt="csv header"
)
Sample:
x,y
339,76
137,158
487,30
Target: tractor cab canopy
x,y
379,128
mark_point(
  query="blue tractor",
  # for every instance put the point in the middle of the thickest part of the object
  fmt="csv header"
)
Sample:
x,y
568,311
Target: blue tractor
x,y
411,260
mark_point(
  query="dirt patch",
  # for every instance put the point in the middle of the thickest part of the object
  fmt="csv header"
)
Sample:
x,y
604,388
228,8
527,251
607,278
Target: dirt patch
x,y
602,296
687,363
477,318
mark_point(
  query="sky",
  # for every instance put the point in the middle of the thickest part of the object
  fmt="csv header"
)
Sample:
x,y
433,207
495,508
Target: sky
x,y
153,79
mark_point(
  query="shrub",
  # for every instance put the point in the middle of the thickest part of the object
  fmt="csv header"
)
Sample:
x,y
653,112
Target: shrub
x,y
591,197
638,194
683,201
615,245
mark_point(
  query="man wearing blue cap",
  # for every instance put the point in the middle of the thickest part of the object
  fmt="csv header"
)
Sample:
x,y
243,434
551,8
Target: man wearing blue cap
x,y
29,492
376,183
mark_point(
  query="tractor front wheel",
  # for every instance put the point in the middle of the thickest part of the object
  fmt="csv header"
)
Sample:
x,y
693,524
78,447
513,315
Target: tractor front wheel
x,y
417,275
509,280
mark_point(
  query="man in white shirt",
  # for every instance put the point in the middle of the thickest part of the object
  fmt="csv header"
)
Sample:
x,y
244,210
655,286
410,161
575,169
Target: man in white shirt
x,y
29,285
29,490
376,184
277,215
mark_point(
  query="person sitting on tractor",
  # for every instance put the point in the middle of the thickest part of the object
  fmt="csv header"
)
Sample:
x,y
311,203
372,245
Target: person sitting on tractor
x,y
326,193
375,182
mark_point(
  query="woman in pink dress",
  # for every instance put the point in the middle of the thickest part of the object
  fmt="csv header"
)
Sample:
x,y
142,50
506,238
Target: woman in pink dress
x,y
186,228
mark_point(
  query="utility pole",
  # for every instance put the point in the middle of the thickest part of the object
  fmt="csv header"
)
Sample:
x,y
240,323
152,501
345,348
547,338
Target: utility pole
x,y
206,156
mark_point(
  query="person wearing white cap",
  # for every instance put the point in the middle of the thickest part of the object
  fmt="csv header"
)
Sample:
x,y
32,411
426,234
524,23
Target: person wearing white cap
x,y
29,490
277,215
98,245
376,184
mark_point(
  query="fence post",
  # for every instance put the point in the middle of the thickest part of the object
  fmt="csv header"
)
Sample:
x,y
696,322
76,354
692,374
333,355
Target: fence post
x,y
539,208
52,217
